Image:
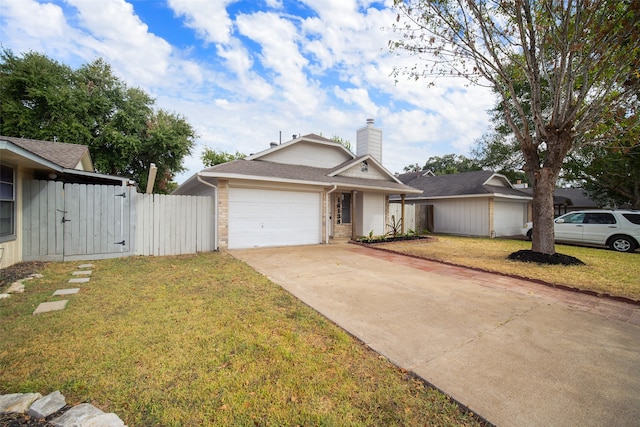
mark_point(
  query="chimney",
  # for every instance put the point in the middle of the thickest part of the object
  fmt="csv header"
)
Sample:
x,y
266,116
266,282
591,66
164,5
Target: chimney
x,y
369,141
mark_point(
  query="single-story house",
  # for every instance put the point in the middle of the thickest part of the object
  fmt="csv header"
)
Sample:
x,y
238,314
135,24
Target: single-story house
x,y
308,190
26,159
569,200
479,203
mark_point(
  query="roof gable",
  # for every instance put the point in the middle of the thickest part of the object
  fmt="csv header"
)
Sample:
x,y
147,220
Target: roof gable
x,y
309,150
366,167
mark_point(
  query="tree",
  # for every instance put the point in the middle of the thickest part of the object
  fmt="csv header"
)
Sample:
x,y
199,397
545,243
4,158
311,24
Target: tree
x,y
447,164
42,99
214,157
582,56
345,142
611,177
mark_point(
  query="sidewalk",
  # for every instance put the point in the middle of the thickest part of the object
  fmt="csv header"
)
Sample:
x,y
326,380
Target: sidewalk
x,y
515,352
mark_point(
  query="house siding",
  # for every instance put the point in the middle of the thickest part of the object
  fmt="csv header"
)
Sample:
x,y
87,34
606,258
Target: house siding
x,y
371,173
11,250
308,154
468,217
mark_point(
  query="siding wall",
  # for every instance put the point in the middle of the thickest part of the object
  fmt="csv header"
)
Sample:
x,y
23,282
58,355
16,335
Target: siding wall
x,y
308,154
468,217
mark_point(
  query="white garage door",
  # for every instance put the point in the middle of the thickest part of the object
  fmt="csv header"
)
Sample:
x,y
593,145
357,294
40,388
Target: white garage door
x,y
260,218
508,217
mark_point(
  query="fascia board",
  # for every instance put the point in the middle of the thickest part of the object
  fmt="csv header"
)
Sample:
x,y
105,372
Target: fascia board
x,y
475,196
6,145
343,185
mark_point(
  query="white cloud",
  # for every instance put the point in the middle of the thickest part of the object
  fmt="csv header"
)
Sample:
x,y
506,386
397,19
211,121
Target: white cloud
x,y
270,72
209,18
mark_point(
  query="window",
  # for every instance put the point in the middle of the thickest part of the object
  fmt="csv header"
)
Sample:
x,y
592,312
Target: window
x,y
343,208
7,203
576,218
599,218
634,218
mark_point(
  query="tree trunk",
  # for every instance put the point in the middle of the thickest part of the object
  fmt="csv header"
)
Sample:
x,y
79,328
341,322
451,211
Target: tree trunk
x,y
543,211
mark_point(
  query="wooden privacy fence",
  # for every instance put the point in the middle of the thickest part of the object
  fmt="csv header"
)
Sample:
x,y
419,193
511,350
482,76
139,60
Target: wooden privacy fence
x,y
172,225
79,221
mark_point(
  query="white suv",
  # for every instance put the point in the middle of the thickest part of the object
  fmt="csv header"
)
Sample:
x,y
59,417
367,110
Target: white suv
x,y
617,229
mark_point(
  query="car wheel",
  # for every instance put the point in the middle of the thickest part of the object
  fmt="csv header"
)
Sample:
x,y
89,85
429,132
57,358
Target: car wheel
x,y
622,244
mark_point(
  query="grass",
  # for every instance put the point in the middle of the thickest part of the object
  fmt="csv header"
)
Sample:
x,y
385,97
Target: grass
x,y
605,271
202,340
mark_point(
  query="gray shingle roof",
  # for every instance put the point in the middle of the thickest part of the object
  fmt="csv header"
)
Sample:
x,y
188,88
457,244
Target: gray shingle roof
x,y
459,184
66,155
265,169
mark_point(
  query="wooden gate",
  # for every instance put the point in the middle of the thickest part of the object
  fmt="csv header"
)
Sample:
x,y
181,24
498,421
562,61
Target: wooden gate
x,y
66,222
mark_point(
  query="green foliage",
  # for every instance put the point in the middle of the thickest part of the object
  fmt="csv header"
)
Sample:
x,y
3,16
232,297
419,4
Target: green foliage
x,y
560,70
42,99
447,164
214,157
346,143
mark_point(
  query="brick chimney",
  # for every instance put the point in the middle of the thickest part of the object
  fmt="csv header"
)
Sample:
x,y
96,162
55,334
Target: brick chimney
x,y
369,141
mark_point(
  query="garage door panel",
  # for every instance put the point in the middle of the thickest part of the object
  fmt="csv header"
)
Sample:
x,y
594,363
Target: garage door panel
x,y
259,218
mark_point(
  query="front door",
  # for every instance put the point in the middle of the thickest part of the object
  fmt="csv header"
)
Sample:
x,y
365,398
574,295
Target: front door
x,y
343,215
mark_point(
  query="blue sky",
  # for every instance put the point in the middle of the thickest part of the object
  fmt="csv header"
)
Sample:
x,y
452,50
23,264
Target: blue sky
x,y
242,72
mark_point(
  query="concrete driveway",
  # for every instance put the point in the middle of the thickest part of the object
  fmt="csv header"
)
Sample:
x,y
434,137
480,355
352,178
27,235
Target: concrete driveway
x,y
515,352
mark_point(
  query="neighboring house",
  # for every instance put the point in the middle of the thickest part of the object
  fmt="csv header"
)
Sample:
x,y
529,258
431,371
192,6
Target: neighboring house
x,y
569,200
479,203
27,159
304,191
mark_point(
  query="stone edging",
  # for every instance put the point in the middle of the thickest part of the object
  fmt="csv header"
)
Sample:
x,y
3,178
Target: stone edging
x,y
40,407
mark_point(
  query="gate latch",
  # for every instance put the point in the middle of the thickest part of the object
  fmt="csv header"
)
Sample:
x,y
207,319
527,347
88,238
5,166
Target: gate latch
x,y
120,243
123,195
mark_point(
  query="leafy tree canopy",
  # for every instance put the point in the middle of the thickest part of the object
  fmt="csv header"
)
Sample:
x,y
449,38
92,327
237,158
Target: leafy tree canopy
x,y
215,157
447,164
578,59
43,99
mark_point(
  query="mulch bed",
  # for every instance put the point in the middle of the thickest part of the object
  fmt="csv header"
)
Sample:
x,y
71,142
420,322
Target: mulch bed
x,y
540,258
21,420
19,271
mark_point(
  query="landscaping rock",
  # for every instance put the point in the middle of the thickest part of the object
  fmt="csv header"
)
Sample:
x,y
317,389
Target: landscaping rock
x,y
47,405
18,402
104,420
16,288
4,296
77,416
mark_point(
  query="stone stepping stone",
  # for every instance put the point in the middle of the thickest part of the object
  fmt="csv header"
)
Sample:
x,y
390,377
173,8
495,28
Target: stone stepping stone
x,y
85,266
47,405
51,306
82,273
79,280
70,291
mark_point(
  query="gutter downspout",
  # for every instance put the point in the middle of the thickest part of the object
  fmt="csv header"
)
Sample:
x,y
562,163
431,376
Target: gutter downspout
x,y
327,222
215,198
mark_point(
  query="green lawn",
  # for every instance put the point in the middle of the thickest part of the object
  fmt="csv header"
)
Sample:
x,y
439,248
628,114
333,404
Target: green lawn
x,y
605,271
202,340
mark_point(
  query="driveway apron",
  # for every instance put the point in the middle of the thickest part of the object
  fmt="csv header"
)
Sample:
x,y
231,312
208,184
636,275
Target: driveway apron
x,y
515,352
